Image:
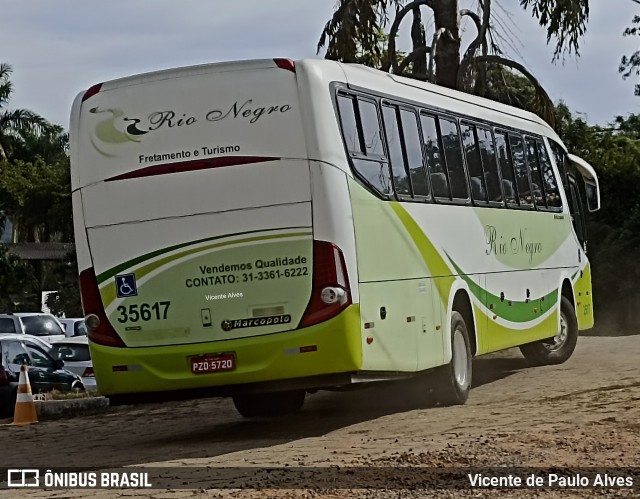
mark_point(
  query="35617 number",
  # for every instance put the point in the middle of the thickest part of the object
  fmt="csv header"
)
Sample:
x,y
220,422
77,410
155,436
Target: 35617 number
x,y
143,311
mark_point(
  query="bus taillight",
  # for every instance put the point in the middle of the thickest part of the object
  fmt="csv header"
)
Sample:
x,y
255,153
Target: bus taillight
x,y
103,334
287,64
330,294
92,91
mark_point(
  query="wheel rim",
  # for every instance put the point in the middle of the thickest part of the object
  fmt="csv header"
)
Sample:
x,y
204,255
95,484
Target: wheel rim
x,y
460,361
559,339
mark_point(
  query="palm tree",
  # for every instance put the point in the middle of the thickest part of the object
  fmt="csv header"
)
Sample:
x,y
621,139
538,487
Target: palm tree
x,y
16,124
353,33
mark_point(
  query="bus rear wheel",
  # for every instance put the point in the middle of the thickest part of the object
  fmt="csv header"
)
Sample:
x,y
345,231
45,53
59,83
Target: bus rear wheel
x,y
251,405
558,349
451,383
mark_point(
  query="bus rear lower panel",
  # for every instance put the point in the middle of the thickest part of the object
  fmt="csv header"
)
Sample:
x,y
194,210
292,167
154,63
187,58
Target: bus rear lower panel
x,y
328,348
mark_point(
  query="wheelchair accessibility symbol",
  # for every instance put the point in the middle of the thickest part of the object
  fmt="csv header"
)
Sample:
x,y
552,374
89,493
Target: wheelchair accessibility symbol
x,y
126,285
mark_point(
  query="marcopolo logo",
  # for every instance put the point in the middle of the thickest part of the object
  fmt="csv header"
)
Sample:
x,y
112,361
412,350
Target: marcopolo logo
x,y
272,320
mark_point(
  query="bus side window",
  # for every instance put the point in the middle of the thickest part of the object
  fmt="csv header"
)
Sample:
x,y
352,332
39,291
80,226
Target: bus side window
x,y
506,167
489,164
474,163
363,139
413,151
551,192
433,151
348,122
520,168
536,178
376,174
394,144
559,157
577,213
370,124
453,158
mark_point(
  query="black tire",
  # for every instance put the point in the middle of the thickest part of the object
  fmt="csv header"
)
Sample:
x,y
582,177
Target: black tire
x,y
252,405
451,384
558,349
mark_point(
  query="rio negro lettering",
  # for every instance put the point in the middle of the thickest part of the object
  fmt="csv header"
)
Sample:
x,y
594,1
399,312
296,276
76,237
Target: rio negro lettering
x,y
246,110
496,244
171,119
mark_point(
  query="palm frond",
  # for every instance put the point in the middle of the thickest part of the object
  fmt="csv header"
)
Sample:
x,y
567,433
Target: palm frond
x,y
541,104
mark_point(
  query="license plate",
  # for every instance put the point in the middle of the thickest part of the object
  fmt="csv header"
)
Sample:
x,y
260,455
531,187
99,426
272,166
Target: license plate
x,y
213,363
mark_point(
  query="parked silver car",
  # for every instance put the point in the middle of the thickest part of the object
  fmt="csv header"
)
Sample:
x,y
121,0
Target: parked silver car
x,y
77,358
45,372
45,326
74,327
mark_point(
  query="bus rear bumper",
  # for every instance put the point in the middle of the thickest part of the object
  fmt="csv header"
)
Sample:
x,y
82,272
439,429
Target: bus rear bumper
x,y
319,356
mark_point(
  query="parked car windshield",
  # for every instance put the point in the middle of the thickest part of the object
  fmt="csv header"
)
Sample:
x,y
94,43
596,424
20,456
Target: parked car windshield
x,y
40,325
70,352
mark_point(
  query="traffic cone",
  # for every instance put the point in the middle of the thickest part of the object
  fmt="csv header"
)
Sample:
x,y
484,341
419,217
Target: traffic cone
x,y
25,412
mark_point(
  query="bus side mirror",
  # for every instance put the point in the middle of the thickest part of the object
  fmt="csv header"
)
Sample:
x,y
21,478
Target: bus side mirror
x,y
593,200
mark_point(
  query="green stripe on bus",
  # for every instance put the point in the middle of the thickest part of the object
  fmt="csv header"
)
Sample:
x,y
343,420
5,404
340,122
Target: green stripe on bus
x,y
134,261
518,311
108,292
498,337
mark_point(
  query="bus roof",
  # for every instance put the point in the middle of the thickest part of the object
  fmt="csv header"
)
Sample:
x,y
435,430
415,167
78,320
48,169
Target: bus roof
x,y
190,70
372,79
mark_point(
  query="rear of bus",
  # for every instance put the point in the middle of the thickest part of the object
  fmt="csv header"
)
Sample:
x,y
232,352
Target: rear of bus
x,y
192,200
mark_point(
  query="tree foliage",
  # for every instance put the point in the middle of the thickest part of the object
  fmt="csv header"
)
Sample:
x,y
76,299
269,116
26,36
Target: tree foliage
x,y
17,125
614,231
615,152
35,194
37,198
630,65
16,280
566,22
66,300
354,34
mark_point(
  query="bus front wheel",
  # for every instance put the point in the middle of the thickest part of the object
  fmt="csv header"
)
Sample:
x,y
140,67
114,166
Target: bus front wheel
x,y
251,405
451,383
558,349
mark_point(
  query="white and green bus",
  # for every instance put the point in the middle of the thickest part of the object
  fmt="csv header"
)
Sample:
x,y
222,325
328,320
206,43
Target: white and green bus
x,y
261,229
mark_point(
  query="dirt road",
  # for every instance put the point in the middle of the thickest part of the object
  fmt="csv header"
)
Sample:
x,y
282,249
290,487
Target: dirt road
x,y
583,413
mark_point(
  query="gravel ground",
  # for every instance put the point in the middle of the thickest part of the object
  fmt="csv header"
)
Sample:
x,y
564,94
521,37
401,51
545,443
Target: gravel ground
x,y
584,413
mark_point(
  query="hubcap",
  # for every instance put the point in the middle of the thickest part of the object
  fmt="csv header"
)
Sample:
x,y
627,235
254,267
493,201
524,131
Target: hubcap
x,y
558,340
460,361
